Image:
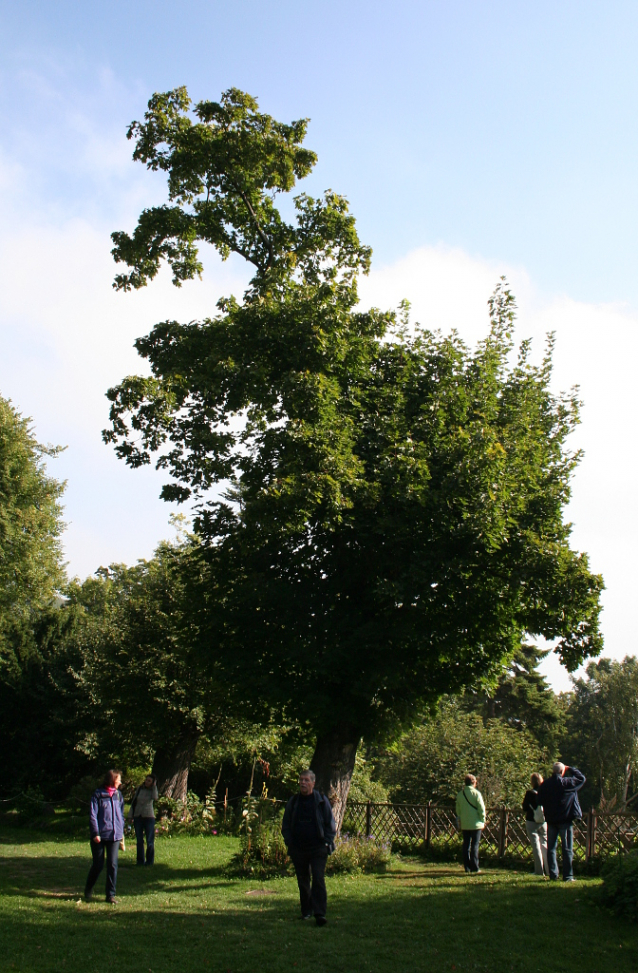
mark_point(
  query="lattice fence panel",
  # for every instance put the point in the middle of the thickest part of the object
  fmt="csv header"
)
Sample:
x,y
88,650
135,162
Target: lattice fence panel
x,y
615,832
406,825
518,845
490,836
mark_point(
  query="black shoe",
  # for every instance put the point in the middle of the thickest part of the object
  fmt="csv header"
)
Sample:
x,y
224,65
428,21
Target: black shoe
x,y
88,895
320,920
110,900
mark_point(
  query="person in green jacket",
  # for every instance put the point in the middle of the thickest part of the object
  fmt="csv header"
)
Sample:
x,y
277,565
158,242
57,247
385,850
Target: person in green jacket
x,y
470,812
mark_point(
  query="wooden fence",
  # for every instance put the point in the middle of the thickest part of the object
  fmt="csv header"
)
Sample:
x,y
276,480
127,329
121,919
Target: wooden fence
x,y
433,826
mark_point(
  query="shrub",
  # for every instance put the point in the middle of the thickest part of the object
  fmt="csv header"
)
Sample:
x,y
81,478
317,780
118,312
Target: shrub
x,y
356,853
262,850
620,884
31,806
193,817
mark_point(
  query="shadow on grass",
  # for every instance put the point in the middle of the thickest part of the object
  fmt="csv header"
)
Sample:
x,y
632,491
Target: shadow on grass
x,y
43,875
374,926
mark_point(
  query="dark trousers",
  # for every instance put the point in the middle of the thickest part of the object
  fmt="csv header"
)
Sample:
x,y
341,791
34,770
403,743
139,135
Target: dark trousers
x,y
566,833
145,828
97,850
470,850
311,864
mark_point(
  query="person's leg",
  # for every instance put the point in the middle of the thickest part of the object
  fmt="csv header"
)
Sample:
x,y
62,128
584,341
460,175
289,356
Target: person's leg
x,y
301,861
112,852
535,841
552,838
542,832
97,851
138,824
149,827
319,896
474,850
567,843
467,837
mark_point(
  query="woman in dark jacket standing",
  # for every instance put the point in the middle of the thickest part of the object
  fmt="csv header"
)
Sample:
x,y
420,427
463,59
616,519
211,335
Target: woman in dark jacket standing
x,y
106,821
536,830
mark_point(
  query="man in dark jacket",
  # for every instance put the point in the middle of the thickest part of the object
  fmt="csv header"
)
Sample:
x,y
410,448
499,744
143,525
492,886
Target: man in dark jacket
x,y
309,831
559,797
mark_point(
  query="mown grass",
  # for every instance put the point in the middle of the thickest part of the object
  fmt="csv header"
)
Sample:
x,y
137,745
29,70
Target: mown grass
x,y
188,913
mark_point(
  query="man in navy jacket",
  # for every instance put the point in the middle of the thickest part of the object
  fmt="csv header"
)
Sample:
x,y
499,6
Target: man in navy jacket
x,y
559,797
309,831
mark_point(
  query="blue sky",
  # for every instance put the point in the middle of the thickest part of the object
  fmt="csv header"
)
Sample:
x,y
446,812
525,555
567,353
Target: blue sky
x,y
472,139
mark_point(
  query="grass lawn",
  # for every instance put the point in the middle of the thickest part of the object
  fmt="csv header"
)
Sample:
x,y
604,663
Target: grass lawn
x,y
186,914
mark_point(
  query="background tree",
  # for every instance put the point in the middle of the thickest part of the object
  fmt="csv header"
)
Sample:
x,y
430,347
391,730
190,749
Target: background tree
x,y
140,645
32,671
31,570
602,733
392,523
430,761
522,698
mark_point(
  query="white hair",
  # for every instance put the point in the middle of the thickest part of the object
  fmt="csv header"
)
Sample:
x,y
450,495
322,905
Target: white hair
x,y
308,773
558,768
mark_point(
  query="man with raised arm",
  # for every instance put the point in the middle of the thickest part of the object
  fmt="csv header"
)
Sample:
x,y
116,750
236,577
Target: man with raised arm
x,y
559,798
309,831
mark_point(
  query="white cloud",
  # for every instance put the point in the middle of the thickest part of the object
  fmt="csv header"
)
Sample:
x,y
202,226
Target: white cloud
x,y
66,337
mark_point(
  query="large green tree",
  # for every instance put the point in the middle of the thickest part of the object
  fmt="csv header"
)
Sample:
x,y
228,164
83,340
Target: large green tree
x,y
392,518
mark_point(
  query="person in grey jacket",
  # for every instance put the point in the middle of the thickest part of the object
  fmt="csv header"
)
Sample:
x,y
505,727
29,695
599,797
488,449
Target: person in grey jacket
x,y
309,830
142,813
106,824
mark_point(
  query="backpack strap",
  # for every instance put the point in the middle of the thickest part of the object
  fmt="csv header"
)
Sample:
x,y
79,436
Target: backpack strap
x,y
475,806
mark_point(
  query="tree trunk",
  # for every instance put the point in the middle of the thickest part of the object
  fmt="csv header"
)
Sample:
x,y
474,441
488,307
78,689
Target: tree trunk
x,y
333,764
172,764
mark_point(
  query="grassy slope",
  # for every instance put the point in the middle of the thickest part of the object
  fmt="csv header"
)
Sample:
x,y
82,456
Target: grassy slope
x,y
186,915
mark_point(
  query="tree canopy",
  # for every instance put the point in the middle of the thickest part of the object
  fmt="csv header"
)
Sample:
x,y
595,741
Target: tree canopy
x,y
392,517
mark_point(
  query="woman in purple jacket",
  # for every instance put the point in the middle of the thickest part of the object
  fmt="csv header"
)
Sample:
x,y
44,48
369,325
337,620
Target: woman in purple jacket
x,y
106,819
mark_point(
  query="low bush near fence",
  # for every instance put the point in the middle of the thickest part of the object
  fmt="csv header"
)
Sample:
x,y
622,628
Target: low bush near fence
x,y
620,884
358,853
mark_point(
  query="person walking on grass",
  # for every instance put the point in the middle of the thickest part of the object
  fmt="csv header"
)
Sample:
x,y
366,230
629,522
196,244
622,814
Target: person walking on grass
x,y
142,814
309,831
558,796
470,812
536,826
106,823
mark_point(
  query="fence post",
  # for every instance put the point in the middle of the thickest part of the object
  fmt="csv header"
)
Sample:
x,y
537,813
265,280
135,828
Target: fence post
x,y
428,823
368,819
588,836
502,831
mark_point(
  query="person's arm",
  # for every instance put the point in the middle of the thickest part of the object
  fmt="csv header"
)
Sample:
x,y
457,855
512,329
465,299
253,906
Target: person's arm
x,y
329,825
286,824
129,814
93,825
575,779
481,804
